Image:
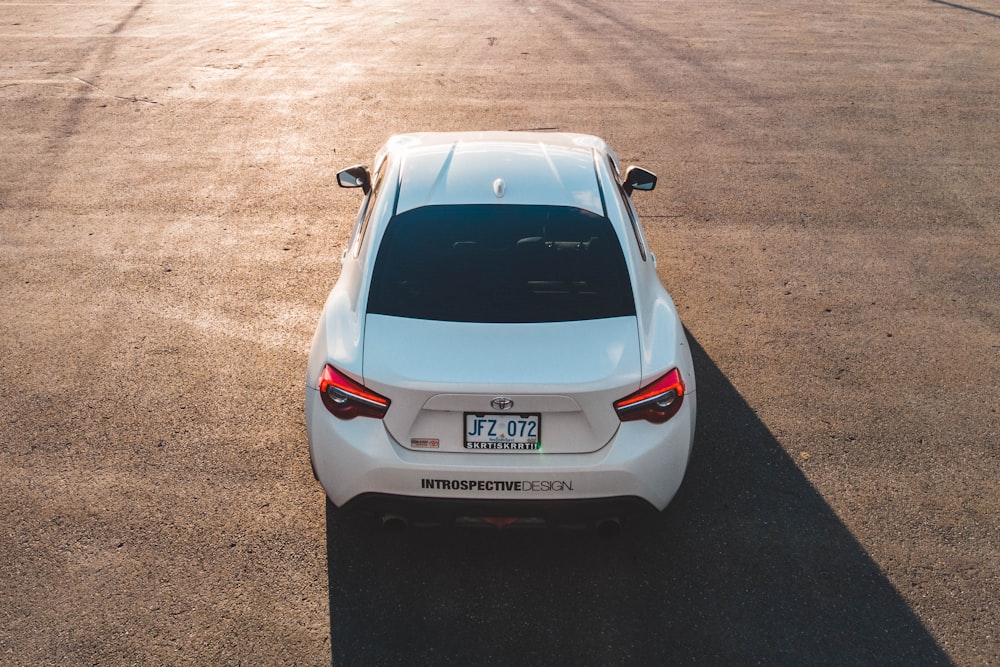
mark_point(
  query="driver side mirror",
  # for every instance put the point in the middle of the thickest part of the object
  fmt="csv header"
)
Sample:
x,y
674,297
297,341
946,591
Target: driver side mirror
x,y
637,178
355,177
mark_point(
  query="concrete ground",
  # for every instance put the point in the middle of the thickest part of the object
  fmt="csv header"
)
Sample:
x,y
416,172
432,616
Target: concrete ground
x,y
826,219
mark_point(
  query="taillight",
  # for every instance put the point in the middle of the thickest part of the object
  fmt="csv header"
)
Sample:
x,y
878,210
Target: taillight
x,y
346,399
656,402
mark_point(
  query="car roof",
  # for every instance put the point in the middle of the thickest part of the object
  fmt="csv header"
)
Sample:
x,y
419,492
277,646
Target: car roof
x,y
507,168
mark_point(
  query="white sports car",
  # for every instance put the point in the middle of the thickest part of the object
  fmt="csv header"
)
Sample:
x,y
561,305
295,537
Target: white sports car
x,y
498,347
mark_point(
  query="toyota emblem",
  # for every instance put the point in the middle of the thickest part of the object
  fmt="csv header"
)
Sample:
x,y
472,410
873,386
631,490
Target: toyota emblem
x,y
502,403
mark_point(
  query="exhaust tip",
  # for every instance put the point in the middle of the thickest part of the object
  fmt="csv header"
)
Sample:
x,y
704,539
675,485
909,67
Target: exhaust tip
x,y
609,528
393,523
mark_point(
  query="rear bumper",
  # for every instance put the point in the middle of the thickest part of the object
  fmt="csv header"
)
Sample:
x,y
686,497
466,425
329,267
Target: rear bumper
x,y
360,465
582,513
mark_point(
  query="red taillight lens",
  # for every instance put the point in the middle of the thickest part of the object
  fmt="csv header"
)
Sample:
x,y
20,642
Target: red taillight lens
x,y
656,402
346,399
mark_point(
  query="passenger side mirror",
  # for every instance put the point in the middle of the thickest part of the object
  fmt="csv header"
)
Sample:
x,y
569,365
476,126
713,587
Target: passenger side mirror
x,y
355,177
637,178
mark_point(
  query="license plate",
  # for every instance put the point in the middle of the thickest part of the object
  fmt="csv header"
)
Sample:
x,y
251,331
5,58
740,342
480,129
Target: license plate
x,y
503,433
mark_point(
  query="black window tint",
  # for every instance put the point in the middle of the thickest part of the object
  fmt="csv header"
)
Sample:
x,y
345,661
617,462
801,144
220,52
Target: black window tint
x,y
500,263
370,202
627,201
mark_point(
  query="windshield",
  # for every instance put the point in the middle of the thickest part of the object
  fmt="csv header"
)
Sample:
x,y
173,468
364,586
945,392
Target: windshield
x,y
500,263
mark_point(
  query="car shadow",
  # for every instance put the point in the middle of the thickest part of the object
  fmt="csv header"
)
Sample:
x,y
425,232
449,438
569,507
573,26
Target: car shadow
x,y
749,564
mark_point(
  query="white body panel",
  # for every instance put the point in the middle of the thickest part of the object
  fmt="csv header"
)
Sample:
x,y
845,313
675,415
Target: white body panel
x,y
359,456
531,173
569,372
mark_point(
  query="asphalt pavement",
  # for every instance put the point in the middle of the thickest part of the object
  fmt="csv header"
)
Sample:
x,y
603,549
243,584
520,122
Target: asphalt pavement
x,y
826,219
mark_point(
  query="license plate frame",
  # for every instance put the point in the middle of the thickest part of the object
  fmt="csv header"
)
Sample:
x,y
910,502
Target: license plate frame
x,y
490,432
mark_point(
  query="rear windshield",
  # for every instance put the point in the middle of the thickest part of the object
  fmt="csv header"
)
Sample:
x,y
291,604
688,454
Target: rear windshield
x,y
500,263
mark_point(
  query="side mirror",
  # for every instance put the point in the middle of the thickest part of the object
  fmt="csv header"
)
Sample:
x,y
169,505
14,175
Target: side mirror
x,y
637,178
355,177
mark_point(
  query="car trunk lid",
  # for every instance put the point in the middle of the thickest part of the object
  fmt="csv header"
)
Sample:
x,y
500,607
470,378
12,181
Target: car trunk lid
x,y
565,374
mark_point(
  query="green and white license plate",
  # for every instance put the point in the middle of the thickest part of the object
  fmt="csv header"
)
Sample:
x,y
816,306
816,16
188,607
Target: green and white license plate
x,y
491,432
